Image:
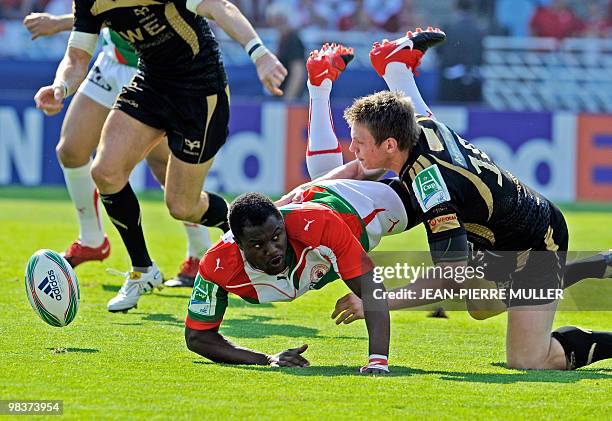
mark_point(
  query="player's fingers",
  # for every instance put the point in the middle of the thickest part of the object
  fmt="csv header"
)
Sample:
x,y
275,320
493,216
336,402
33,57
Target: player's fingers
x,y
344,316
299,349
58,93
303,362
352,318
282,70
287,361
340,307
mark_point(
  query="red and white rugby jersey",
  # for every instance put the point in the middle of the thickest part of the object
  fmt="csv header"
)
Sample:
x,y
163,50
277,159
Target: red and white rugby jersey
x,y
328,238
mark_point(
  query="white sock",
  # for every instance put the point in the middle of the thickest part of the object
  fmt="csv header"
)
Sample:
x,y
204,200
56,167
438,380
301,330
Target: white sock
x,y
400,78
87,204
198,240
324,152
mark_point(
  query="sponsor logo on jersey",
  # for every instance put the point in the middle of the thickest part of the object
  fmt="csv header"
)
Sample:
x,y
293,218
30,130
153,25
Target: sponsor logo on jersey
x,y
202,298
429,188
444,223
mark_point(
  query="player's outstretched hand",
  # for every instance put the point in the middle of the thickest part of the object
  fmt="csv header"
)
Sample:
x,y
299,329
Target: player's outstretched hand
x,y
41,24
290,358
348,309
271,73
50,99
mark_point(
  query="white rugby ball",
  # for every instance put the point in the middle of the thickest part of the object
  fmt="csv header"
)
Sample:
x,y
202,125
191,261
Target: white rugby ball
x,y
52,288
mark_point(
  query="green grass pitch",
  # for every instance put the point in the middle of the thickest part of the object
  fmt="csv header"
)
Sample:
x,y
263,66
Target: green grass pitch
x,y
136,365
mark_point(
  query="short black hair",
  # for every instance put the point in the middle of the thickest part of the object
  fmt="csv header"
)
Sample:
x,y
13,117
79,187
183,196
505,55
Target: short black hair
x,y
250,208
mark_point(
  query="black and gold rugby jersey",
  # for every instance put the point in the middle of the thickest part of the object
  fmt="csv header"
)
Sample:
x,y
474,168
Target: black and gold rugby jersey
x,y
177,49
460,190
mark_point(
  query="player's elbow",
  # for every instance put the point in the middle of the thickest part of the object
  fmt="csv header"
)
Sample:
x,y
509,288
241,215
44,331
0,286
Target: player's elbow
x,y
193,340
197,341
212,9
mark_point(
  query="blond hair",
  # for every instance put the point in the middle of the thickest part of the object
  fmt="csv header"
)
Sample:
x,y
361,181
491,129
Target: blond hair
x,y
386,114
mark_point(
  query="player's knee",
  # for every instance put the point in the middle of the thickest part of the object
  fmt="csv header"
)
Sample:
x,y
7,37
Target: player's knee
x,y
180,209
106,178
527,361
70,155
480,314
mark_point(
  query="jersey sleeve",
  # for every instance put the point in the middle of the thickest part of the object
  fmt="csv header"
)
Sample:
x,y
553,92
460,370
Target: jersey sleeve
x,y
446,233
206,306
351,259
84,20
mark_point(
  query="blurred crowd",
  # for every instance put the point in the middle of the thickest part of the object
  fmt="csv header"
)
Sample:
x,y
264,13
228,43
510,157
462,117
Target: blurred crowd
x,y
550,18
18,9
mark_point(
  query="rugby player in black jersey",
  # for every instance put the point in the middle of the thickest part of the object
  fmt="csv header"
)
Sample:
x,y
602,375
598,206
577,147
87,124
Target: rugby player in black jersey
x,y
463,198
180,91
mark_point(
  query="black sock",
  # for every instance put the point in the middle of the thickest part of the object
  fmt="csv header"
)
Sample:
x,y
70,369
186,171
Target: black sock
x,y
583,347
124,212
591,267
216,215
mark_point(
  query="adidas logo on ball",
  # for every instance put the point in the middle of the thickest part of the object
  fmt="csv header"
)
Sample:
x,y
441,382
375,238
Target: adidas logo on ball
x,y
50,287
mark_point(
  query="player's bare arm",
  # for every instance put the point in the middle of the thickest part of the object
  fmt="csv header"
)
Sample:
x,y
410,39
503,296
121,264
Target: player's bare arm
x,y
212,345
70,73
351,171
270,71
45,24
376,314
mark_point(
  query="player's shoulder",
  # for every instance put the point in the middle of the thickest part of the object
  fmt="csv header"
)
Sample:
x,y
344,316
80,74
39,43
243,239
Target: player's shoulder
x,y
309,222
223,261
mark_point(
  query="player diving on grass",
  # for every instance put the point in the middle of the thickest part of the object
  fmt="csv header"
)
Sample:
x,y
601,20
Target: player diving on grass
x,y
274,254
114,67
257,259
464,198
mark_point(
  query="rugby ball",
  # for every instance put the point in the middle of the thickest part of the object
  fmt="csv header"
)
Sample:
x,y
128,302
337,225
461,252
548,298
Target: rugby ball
x,y
52,288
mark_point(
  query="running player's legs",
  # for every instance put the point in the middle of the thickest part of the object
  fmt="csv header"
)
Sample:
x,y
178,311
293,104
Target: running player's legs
x,y
79,138
198,238
196,128
125,142
184,196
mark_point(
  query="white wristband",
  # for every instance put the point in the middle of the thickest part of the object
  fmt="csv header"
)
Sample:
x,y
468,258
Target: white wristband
x,y
255,49
62,84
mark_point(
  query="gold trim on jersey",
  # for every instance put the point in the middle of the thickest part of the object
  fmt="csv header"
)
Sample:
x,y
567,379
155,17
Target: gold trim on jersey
x,y
482,188
549,241
211,106
419,165
182,28
433,140
101,6
521,260
481,231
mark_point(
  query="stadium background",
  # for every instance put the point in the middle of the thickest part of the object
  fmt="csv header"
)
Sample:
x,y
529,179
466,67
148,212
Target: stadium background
x,y
541,106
